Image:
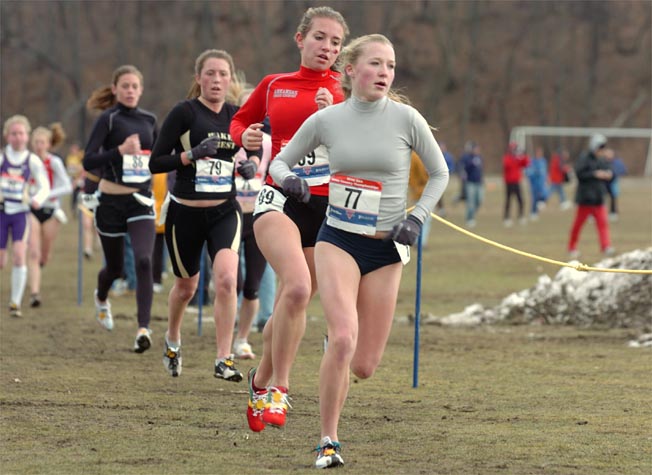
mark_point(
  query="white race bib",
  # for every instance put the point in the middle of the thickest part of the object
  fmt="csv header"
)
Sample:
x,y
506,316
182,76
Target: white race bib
x,y
313,167
213,175
12,187
403,252
135,168
353,204
269,199
164,210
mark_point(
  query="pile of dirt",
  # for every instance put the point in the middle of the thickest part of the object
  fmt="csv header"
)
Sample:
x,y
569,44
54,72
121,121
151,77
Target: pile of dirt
x,y
617,300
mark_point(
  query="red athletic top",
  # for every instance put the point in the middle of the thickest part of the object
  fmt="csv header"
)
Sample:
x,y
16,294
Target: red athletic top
x,y
512,165
287,99
557,169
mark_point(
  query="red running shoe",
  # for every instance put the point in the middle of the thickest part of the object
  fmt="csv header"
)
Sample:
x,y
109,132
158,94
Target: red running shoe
x,y
276,407
256,404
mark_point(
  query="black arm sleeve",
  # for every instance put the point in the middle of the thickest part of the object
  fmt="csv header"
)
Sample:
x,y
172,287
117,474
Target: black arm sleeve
x,y
254,153
175,125
94,156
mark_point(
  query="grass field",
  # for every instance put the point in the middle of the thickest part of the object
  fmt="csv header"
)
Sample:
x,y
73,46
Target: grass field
x,y
491,400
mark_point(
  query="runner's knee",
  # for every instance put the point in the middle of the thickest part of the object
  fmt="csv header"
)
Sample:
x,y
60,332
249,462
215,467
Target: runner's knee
x,y
363,369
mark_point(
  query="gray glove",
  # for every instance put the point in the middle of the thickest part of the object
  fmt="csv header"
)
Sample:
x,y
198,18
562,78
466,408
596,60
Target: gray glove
x,y
297,188
247,169
407,231
206,148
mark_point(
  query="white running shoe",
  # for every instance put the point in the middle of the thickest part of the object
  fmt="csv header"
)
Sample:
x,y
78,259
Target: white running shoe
x,y
242,350
172,359
103,313
328,454
225,369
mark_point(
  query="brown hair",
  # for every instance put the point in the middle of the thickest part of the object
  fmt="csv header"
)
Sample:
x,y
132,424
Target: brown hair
x,y
16,119
234,87
322,12
102,98
54,133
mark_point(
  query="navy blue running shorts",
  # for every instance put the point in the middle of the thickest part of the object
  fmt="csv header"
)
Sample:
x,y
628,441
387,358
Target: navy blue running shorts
x,y
369,253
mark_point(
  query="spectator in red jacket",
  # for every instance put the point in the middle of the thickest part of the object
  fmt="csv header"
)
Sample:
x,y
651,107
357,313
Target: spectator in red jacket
x,y
513,164
558,175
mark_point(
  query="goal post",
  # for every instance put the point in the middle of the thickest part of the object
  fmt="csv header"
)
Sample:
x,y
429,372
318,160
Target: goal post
x,y
521,133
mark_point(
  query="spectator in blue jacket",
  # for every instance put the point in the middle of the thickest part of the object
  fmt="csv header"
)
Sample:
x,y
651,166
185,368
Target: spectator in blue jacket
x,y
537,173
613,186
471,170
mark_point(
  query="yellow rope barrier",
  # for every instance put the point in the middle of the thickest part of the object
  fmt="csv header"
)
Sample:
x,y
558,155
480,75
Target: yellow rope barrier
x,y
580,267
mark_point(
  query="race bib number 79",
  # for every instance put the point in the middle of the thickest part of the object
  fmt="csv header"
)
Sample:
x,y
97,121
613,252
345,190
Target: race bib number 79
x,y
213,175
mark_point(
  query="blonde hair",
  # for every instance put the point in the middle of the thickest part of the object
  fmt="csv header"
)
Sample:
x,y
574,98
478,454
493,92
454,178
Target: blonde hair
x,y
247,89
238,88
234,87
305,25
102,98
350,55
16,119
54,134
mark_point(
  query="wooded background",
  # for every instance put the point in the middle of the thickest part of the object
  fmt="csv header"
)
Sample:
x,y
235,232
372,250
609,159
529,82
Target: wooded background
x,y
474,69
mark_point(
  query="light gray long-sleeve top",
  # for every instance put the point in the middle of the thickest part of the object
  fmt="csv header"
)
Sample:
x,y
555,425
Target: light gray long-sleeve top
x,y
372,141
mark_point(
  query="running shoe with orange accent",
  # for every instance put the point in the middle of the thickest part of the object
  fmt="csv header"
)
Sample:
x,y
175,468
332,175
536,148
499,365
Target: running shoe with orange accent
x,y
103,313
328,454
225,369
276,407
14,310
256,404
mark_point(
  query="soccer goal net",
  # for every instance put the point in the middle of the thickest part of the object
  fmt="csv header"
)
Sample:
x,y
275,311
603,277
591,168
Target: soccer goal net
x,y
523,134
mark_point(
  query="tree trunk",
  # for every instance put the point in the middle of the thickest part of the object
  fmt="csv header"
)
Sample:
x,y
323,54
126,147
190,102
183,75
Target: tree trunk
x,y
469,80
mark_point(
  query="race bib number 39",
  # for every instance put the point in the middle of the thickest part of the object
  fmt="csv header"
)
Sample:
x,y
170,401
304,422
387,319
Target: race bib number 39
x,y
269,199
313,167
135,168
213,175
353,204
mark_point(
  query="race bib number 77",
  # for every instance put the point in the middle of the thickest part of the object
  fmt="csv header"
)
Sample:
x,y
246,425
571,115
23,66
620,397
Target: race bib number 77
x,y
353,204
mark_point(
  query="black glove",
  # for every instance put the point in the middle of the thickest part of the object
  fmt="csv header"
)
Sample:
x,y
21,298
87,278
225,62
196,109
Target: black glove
x,y
407,231
296,188
247,169
206,148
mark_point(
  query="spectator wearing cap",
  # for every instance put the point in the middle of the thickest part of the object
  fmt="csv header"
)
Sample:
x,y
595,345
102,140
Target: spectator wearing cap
x,y
593,173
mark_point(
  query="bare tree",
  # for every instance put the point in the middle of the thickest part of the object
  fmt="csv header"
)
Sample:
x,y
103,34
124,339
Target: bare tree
x,y
470,77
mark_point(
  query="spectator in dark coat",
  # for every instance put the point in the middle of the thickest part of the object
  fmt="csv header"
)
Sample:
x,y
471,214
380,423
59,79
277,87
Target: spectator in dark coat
x,y
593,173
